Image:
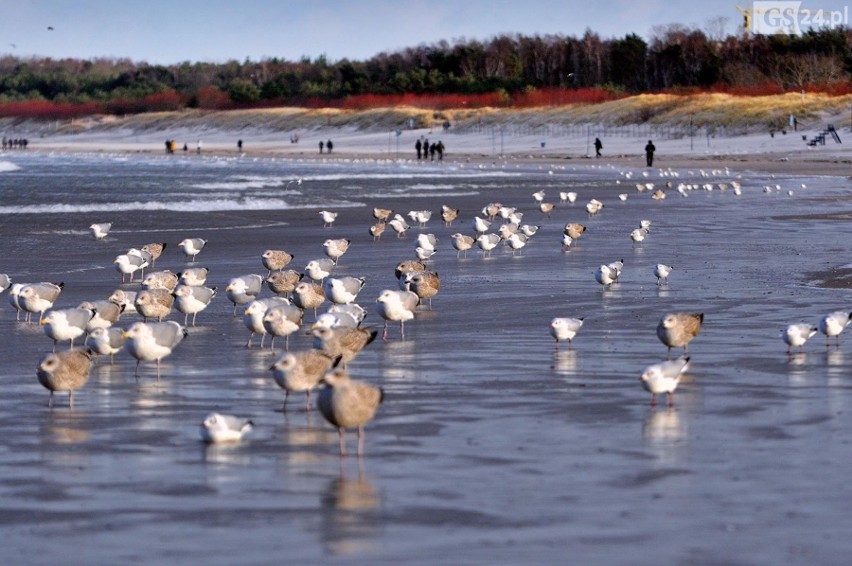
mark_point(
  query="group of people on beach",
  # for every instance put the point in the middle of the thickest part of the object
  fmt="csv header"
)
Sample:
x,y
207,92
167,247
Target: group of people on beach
x,y
328,145
14,143
426,151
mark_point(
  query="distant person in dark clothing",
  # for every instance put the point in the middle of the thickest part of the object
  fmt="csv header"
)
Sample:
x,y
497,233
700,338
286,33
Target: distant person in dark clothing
x,y
329,145
440,149
598,147
432,149
425,149
322,145
239,145
418,146
649,153
168,145
185,147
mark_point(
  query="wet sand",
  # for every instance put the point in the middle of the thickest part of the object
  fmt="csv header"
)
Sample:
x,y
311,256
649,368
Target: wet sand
x,y
490,447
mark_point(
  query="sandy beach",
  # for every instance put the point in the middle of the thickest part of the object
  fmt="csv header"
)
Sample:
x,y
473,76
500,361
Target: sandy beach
x,y
491,446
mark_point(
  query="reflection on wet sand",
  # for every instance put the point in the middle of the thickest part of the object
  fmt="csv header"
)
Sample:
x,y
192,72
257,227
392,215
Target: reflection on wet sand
x,y
307,443
565,362
397,360
797,371
665,434
66,427
351,522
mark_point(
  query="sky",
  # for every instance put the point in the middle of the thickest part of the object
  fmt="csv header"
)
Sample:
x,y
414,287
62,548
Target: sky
x,y
166,32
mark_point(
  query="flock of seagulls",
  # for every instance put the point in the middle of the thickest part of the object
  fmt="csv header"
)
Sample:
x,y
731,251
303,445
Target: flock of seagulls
x,y
337,333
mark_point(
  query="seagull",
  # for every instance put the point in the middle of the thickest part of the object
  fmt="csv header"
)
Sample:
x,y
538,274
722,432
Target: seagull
x,y
605,275
191,300
661,272
275,260
424,284
224,428
308,295
147,341
283,282
244,289
328,217
678,329
638,235
343,290
301,371
106,341
64,371
194,276
833,324
462,243
346,403
100,231
797,335
38,297
565,329
335,249
66,324
664,378
191,247
487,242
319,269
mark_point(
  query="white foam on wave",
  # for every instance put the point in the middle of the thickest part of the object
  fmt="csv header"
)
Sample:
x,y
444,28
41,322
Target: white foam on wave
x,y
212,205
8,166
412,175
250,182
401,193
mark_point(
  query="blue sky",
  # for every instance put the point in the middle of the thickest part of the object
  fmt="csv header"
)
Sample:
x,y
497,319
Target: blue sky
x,y
172,31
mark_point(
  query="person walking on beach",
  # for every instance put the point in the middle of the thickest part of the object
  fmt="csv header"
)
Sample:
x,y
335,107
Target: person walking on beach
x,y
198,147
649,153
440,149
418,146
329,145
598,147
240,145
321,144
432,149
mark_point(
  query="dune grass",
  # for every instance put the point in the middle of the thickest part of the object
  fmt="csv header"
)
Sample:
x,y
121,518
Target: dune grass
x,y
707,109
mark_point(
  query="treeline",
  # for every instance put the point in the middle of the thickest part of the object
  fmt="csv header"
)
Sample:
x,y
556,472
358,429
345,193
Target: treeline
x,y
506,70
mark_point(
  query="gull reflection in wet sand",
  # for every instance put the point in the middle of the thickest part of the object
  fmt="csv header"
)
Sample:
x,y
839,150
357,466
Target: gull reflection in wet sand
x,y
351,515
797,371
565,362
398,359
666,434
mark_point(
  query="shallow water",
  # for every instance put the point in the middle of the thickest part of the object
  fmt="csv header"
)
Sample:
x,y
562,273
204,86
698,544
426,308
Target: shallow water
x,y
490,447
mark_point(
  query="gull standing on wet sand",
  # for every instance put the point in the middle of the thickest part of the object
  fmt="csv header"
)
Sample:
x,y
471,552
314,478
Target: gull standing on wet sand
x,y
343,342
100,231
797,335
308,296
565,329
64,371
319,269
678,329
664,378
155,249
38,297
424,284
152,341
192,300
395,306
282,320
194,276
301,371
283,282
191,247
346,403
275,260
462,243
328,218
244,289
335,249
343,290
106,342
66,324
662,272
154,303
833,324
